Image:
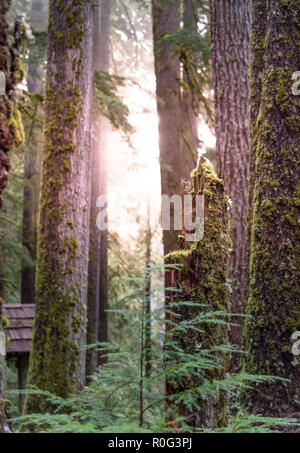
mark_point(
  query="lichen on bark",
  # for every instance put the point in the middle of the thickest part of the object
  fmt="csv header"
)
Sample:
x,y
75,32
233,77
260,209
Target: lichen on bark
x,y
274,293
12,133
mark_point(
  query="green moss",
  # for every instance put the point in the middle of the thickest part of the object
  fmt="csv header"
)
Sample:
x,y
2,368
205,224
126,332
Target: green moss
x,y
15,124
58,332
267,208
67,165
76,323
70,224
200,274
291,219
4,321
59,36
274,291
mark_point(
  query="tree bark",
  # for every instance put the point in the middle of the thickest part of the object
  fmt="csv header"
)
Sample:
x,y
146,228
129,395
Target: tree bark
x,y
230,38
166,20
11,134
97,293
39,14
22,366
6,133
147,292
103,288
2,371
57,360
32,168
258,43
274,293
94,245
202,278
189,118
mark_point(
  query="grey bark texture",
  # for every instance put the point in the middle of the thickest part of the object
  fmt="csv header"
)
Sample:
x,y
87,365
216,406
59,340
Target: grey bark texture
x,y
230,37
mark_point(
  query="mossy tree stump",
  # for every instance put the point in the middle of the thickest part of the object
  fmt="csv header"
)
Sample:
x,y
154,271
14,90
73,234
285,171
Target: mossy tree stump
x,y
201,278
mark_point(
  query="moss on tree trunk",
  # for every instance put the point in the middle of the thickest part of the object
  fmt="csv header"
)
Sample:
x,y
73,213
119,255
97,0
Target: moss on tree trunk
x,y
274,292
11,134
57,360
202,279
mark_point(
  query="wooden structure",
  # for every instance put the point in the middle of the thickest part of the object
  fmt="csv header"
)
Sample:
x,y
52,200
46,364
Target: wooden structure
x,y
19,338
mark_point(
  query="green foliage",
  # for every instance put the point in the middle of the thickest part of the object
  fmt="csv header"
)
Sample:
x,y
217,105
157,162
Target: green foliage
x,y
191,41
110,104
120,398
12,251
243,423
194,52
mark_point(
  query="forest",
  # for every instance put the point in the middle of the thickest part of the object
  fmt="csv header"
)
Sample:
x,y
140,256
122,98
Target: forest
x,y
149,216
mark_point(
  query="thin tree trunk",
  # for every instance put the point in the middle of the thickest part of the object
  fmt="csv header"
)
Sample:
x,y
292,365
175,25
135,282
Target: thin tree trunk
x,y
32,171
274,294
166,20
38,8
230,37
103,288
32,160
94,245
148,299
2,371
189,118
22,366
57,360
97,295
258,42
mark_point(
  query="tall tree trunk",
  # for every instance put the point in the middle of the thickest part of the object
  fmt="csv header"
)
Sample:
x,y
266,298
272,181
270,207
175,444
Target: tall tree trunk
x,y
57,360
97,292
189,117
230,37
32,169
258,42
94,245
274,293
202,278
38,13
2,371
11,133
166,20
103,286
148,299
